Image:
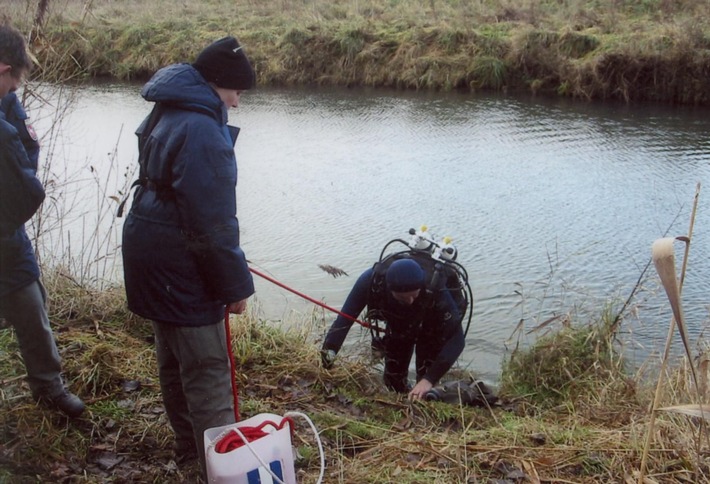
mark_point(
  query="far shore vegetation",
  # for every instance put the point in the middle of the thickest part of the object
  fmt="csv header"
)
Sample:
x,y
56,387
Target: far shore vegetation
x,y
572,409
640,50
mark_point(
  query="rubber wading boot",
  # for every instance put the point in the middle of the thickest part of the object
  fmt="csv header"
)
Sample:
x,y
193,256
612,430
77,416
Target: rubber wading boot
x,y
66,402
184,452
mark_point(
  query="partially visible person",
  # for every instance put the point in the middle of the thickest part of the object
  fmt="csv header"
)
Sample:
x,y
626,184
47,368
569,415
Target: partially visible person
x,y
417,318
23,299
183,264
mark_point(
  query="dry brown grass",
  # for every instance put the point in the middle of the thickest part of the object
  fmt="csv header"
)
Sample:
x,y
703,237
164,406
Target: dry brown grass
x,y
369,435
653,50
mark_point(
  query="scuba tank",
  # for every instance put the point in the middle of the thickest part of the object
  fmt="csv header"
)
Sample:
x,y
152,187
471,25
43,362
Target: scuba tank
x,y
446,250
421,240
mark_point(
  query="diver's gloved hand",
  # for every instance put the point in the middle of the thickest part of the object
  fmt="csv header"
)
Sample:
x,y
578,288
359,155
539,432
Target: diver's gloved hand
x,y
327,357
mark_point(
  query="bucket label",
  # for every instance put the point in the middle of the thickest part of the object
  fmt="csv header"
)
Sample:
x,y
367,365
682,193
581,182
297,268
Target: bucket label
x,y
262,476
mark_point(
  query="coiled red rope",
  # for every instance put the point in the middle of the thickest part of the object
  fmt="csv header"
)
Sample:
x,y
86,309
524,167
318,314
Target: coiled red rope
x,y
233,440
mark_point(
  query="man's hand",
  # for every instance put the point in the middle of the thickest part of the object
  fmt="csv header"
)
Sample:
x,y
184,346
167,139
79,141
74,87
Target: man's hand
x,y
327,357
237,307
420,389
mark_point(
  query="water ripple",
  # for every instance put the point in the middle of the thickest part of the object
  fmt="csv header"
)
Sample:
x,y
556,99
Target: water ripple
x,y
553,204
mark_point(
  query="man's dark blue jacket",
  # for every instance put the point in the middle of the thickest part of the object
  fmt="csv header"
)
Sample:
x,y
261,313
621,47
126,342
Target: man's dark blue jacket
x,y
181,255
21,194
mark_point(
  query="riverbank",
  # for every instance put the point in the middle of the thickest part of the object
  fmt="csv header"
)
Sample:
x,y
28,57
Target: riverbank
x,y
607,49
587,424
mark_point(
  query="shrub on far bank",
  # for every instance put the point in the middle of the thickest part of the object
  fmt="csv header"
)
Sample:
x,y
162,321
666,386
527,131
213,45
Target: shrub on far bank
x,y
607,49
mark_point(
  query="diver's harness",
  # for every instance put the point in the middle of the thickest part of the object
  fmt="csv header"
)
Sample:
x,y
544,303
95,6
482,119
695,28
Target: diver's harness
x,y
442,273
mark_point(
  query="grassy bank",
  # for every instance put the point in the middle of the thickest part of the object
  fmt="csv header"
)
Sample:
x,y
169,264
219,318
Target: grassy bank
x,y
655,50
569,412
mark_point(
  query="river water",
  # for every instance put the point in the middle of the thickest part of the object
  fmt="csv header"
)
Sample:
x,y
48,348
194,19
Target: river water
x,y
552,204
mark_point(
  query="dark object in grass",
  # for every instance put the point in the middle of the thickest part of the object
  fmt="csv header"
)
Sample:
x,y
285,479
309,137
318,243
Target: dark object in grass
x,y
130,385
462,392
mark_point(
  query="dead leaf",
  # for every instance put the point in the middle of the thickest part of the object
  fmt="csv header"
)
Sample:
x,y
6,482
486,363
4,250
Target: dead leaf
x,y
538,438
130,385
635,479
97,327
333,271
544,323
703,366
694,410
531,472
412,458
664,259
108,461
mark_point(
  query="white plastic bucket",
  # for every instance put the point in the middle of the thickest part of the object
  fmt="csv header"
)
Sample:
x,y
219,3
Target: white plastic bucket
x,y
241,466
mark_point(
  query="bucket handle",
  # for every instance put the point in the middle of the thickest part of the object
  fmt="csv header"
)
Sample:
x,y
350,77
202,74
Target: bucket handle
x,y
317,436
264,464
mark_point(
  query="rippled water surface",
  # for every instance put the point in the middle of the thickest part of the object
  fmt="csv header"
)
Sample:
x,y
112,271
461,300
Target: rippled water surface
x,y
552,204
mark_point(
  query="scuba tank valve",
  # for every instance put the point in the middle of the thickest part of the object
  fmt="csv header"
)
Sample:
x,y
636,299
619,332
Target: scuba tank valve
x,y
445,251
421,240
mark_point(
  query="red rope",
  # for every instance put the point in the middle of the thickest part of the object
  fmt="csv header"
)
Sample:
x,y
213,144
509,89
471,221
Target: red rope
x,y
315,301
233,374
232,440
227,331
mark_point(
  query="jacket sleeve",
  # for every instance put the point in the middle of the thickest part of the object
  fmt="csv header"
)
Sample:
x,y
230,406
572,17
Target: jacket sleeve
x,y
448,318
204,182
354,304
21,193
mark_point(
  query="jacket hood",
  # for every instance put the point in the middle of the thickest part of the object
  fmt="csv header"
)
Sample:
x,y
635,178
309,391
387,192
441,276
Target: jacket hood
x,y
182,86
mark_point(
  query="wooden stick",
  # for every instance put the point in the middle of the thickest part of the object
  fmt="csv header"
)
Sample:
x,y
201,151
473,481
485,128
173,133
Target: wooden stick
x,y
669,339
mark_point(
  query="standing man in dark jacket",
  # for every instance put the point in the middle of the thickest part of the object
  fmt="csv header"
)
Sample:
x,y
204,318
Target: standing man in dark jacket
x,y
182,260
22,295
429,321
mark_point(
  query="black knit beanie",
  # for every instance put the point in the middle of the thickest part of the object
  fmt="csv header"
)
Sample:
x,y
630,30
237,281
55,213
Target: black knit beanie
x,y
225,64
404,275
